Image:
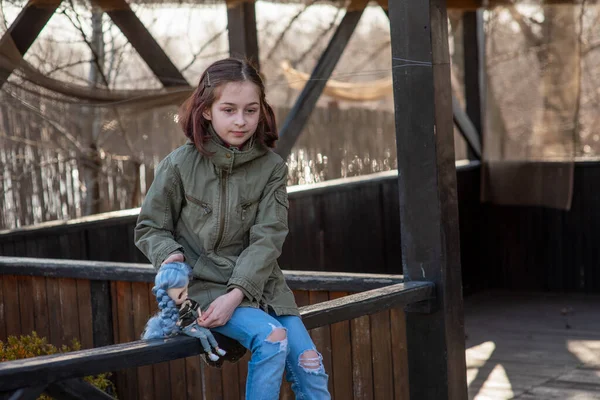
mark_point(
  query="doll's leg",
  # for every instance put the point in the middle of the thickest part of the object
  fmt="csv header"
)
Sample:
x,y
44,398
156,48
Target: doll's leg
x,y
214,344
200,333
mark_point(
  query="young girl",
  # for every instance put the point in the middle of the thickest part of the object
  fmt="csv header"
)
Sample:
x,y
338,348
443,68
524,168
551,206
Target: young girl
x,y
220,204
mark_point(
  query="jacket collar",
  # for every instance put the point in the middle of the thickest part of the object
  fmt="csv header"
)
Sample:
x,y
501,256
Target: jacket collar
x,y
228,158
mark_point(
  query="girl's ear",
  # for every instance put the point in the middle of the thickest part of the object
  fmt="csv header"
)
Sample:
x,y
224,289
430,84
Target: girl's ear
x,y
206,114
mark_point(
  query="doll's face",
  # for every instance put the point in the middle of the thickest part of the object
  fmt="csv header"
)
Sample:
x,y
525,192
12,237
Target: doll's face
x,y
178,295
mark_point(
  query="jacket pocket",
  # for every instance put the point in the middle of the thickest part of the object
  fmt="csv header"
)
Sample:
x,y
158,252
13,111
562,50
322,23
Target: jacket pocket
x,y
246,211
196,212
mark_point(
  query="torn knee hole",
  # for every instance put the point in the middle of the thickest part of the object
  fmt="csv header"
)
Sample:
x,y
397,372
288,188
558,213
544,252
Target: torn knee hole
x,y
310,360
277,335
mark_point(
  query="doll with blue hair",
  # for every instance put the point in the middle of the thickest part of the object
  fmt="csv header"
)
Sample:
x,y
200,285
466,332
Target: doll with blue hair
x,y
178,313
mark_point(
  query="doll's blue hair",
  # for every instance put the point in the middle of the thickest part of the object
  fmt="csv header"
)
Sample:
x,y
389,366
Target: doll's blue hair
x,y
163,324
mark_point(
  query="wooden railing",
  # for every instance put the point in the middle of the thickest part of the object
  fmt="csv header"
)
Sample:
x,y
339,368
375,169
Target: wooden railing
x,y
365,357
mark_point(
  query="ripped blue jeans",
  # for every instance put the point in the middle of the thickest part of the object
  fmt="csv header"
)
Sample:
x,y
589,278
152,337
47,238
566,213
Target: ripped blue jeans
x,y
277,344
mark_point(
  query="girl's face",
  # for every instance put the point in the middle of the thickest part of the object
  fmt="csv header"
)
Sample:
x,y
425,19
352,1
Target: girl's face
x,y
178,295
236,112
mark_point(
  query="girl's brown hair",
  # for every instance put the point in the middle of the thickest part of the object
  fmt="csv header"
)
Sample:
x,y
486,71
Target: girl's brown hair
x,y
193,123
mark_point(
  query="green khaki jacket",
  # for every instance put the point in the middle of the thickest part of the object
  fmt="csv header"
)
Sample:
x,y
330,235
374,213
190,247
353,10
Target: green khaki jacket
x,y
227,214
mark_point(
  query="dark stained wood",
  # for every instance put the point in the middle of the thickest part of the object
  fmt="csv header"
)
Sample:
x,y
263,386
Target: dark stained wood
x,y
474,64
466,128
54,312
193,377
429,216
381,349
69,313
3,313
10,289
294,123
143,42
399,353
321,336
102,310
212,381
85,313
31,393
341,348
40,306
141,314
361,350
241,29
230,381
76,389
26,304
126,334
23,31
178,379
96,270
365,303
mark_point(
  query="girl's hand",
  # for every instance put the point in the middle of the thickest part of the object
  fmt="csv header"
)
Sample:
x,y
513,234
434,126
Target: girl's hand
x,y
220,311
175,257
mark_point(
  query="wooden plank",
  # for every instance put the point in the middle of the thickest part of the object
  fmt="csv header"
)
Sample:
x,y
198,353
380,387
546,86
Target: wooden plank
x,y
362,367
143,42
102,309
22,33
25,299
322,336
141,314
11,307
341,349
178,379
381,348
241,28
67,289
399,353
30,393
54,312
294,123
474,72
85,313
212,381
40,305
133,272
128,383
193,378
230,381
3,320
365,303
429,215
76,389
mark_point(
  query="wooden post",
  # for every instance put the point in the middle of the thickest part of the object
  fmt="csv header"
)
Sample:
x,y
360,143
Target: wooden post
x,y
241,28
474,62
299,114
428,200
23,32
142,41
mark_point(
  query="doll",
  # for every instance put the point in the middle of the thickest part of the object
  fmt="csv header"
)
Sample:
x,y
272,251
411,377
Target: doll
x,y
178,313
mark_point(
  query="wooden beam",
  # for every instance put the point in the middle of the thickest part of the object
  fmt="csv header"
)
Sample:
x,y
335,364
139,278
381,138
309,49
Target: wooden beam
x,y
299,114
76,389
23,31
428,200
55,368
143,42
99,273
28,393
467,129
474,65
241,27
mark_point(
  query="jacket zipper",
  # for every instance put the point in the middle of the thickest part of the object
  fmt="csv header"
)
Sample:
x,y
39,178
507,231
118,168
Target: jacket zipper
x,y
223,209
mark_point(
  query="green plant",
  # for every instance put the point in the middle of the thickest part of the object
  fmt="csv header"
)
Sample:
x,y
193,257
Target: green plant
x,y
26,346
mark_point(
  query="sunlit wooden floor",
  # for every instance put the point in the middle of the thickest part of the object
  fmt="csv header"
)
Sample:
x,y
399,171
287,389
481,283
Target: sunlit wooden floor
x,y
533,346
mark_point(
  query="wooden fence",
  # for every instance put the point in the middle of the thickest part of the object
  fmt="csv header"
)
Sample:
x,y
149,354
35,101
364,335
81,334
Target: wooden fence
x,y
105,303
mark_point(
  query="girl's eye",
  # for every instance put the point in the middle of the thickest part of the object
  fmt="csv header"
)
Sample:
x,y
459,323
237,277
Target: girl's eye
x,y
228,110
251,111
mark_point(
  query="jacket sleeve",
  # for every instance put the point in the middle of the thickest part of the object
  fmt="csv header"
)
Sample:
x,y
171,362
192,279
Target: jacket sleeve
x,y
255,265
154,232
